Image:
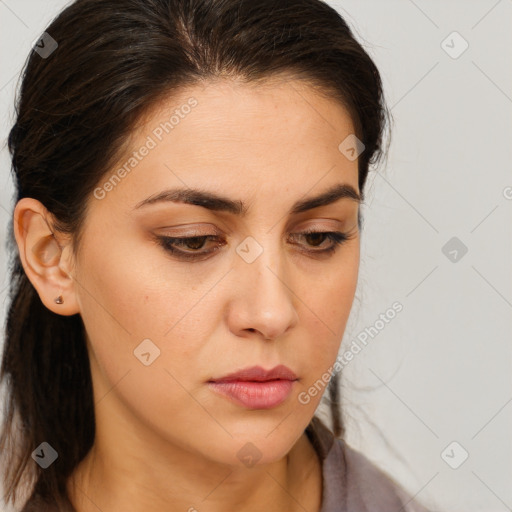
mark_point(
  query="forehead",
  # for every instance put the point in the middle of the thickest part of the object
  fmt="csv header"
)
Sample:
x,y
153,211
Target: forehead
x,y
277,110
280,135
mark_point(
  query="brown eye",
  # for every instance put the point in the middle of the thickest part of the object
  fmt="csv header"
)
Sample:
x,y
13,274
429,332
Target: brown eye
x,y
317,238
192,246
194,243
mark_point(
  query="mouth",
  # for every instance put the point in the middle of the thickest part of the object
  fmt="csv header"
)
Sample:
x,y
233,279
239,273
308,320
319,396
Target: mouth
x,y
256,388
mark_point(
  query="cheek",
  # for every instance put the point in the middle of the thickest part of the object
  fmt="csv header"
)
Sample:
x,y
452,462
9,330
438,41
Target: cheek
x,y
138,308
131,286
330,295
328,308
132,313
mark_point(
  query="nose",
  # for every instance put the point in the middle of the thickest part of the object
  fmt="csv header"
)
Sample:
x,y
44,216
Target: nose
x,y
263,300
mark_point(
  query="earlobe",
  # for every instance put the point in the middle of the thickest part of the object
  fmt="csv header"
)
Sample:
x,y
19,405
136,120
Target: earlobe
x,y
43,257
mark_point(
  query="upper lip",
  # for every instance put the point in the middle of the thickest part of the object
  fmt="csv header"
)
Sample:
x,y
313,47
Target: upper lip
x,y
259,374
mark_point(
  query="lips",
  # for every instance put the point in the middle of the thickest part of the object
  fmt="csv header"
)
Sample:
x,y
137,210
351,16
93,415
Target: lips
x,y
259,374
255,387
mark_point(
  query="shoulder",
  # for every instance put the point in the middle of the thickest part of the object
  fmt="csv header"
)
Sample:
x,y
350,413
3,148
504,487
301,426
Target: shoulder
x,y
368,484
352,482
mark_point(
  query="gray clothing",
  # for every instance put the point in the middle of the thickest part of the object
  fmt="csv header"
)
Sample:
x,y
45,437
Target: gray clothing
x,y
351,482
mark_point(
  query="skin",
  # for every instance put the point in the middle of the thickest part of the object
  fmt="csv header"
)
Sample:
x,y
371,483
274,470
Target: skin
x,y
164,440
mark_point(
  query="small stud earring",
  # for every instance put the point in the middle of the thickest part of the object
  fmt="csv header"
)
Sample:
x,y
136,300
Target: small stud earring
x,y
58,300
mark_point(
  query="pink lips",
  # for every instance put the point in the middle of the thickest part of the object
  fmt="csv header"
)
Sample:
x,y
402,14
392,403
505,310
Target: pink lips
x,y
255,387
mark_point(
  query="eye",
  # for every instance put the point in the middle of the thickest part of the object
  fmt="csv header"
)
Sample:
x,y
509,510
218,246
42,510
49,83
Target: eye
x,y
194,244
317,238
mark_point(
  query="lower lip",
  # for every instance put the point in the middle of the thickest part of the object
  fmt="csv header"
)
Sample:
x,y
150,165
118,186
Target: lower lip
x,y
255,395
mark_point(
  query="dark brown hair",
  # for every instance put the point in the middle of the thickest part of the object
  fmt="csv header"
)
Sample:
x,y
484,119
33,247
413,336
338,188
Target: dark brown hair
x,y
75,108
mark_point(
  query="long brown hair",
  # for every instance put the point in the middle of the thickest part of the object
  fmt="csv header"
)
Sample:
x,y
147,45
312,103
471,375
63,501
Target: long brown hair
x,y
75,108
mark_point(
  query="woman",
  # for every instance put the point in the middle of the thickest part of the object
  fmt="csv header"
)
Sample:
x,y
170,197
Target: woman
x,y
186,249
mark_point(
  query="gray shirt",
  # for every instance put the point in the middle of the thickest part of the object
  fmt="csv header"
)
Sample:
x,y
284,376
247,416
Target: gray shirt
x,y
351,483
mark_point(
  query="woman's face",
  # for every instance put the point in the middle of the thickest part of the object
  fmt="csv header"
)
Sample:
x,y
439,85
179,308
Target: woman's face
x,y
249,289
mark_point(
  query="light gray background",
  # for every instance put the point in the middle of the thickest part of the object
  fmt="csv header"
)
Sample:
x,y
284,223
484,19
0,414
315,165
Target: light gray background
x,y
441,371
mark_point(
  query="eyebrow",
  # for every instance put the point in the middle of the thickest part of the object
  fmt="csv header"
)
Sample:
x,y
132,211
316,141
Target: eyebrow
x,y
216,202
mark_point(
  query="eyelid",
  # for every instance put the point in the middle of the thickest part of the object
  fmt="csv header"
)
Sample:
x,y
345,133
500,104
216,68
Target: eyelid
x,y
218,233
192,232
211,230
337,239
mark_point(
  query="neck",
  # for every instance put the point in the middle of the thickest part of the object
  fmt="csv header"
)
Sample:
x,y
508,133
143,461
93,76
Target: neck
x,y
131,473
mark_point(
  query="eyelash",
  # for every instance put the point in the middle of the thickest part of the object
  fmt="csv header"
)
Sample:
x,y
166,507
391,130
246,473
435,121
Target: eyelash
x,y
169,243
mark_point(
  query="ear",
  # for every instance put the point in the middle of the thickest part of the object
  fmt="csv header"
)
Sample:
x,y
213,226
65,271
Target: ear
x,y
46,257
